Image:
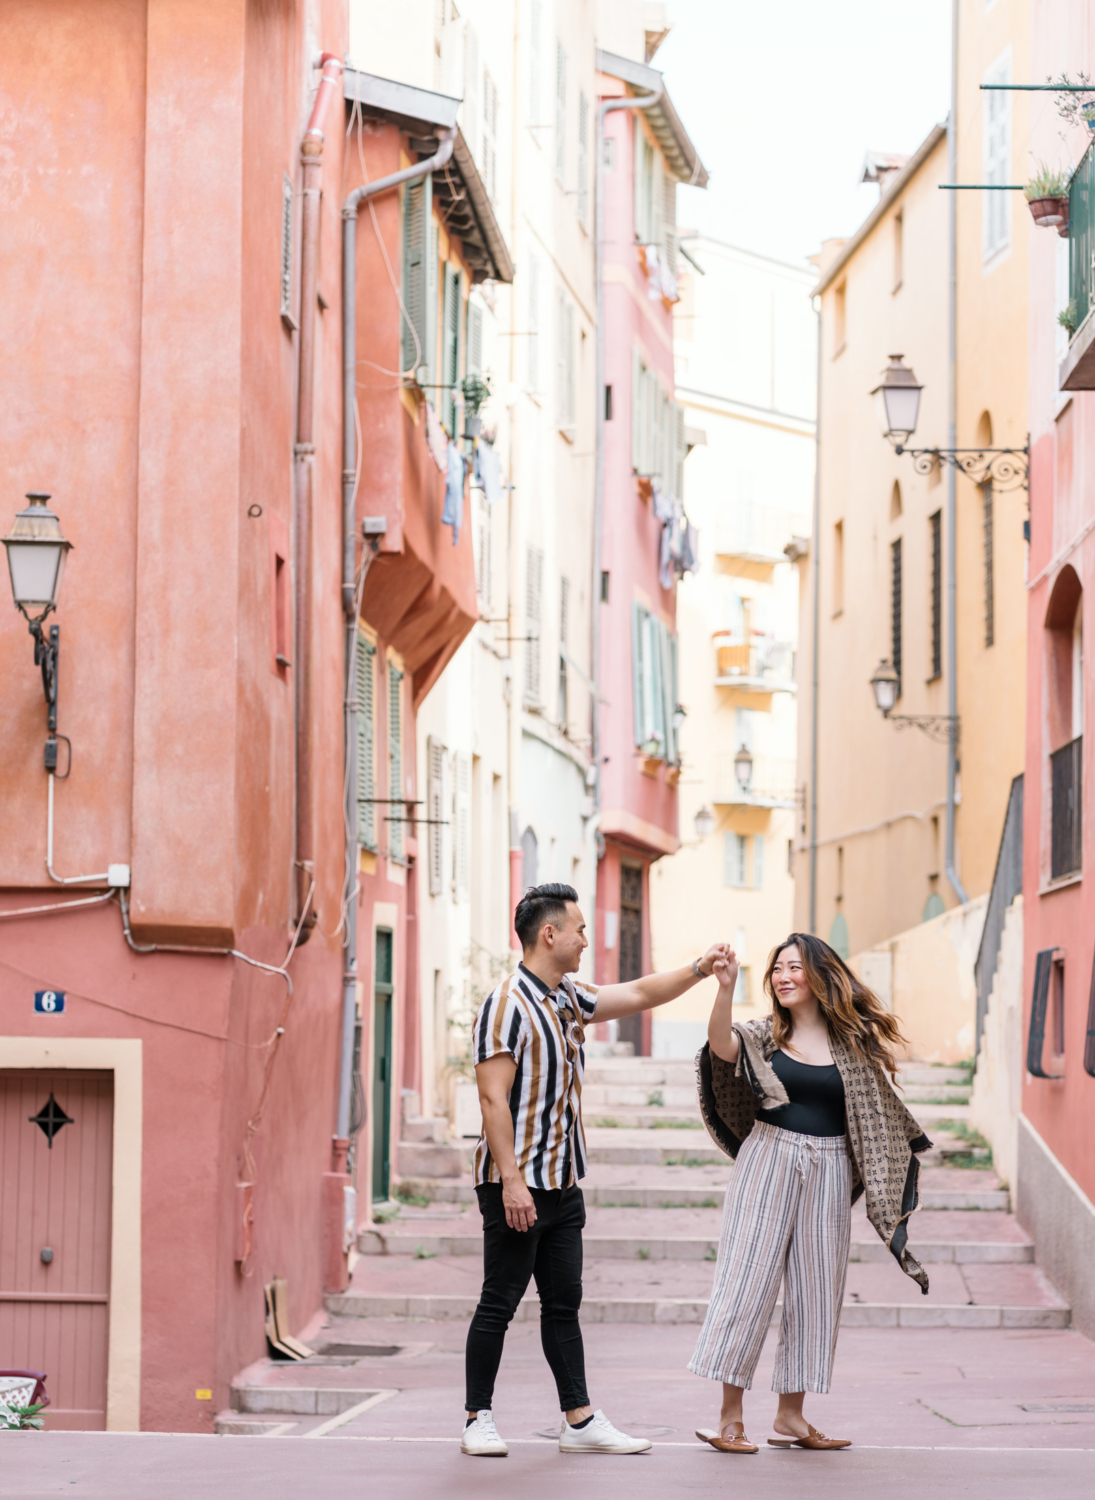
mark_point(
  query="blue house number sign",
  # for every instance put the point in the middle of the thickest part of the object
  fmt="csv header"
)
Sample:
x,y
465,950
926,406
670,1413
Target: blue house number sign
x,y
49,1002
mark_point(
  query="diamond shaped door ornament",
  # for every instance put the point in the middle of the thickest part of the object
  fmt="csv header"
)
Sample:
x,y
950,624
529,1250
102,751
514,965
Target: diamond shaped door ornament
x,y
50,1118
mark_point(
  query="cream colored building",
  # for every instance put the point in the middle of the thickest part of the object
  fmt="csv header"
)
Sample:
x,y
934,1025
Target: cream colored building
x,y
745,354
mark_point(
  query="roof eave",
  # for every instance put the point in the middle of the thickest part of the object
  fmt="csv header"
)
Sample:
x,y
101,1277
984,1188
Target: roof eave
x,y
676,144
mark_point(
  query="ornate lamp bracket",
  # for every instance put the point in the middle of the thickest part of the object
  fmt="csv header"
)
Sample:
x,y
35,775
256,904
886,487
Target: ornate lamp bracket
x,y
941,727
1004,468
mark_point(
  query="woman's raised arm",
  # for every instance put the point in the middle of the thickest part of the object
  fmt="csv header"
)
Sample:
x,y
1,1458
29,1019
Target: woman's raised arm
x,y
720,1033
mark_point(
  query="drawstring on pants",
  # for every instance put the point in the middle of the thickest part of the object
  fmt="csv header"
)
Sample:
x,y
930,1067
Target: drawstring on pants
x,y
807,1149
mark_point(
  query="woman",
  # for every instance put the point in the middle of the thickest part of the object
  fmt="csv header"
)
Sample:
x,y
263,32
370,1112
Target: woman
x,y
805,1102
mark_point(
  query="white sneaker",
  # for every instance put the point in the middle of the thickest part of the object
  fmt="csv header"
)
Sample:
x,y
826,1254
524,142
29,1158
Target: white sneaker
x,y
599,1436
481,1438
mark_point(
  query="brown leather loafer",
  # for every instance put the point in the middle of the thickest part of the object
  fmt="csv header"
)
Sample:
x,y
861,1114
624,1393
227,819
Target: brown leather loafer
x,y
729,1439
815,1440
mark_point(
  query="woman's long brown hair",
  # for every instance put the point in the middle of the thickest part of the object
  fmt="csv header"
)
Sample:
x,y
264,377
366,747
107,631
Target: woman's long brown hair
x,y
853,1013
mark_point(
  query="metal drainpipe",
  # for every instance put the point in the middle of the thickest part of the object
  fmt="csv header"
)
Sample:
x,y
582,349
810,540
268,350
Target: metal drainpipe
x,y
815,665
304,459
606,106
952,429
349,469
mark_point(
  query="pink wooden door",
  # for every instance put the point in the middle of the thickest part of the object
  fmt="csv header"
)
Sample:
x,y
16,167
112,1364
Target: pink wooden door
x,y
54,1310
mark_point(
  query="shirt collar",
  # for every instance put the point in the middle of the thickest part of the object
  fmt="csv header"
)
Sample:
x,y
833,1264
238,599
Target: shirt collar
x,y
544,989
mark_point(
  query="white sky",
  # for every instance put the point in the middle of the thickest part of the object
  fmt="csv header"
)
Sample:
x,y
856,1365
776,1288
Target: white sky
x,y
784,97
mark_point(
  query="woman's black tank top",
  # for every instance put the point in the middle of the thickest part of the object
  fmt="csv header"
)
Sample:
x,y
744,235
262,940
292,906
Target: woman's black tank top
x,y
816,1098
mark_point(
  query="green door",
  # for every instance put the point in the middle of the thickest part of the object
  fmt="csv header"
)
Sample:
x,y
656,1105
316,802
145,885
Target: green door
x,y
382,1066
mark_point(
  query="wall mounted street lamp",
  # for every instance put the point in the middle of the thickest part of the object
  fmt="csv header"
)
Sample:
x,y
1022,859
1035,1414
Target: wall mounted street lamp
x,y
36,561
885,684
704,822
743,768
897,399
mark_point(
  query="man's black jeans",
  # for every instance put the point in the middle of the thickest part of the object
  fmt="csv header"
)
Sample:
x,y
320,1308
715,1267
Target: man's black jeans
x,y
551,1251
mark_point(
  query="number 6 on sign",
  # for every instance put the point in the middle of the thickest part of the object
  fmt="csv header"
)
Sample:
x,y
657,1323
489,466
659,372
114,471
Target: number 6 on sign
x,y
49,1002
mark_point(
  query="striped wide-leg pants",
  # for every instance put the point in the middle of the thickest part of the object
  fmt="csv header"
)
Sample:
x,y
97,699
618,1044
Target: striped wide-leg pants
x,y
788,1217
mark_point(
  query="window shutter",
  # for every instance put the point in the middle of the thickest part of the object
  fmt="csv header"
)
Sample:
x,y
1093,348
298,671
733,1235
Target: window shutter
x,y
287,250
657,198
462,825
397,809
534,579
560,111
450,364
435,778
639,161
680,450
583,159
562,713
475,339
560,360
636,411
669,220
366,743
469,122
418,276
637,672
653,689
571,396
490,136
666,697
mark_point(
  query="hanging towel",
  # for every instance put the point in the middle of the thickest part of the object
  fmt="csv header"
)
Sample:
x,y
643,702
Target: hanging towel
x,y
453,513
490,472
436,441
690,559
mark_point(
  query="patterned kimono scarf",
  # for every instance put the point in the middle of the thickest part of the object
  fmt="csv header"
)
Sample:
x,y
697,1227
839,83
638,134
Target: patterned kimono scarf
x,y
882,1134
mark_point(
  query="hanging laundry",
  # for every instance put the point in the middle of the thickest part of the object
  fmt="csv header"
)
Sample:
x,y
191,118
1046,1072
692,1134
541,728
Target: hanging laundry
x,y
490,472
453,513
662,502
436,440
690,558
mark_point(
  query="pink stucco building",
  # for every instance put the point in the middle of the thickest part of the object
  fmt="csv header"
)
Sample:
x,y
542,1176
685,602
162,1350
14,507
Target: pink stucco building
x,y
644,540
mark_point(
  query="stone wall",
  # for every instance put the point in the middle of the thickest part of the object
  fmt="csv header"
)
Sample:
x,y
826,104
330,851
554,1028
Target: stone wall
x,y
998,1082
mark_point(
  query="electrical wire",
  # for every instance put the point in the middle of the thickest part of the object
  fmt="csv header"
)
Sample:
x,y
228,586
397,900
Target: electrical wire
x,y
33,911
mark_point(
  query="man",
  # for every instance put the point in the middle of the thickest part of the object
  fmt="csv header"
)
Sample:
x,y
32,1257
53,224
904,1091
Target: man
x,y
529,1058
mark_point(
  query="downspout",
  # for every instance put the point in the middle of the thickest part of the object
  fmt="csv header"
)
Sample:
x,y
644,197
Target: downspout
x,y
304,460
349,592
605,107
952,429
815,664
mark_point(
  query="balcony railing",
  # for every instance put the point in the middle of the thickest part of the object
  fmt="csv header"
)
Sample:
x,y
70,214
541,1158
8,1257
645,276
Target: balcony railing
x,y
1066,828
758,532
762,664
772,783
1081,237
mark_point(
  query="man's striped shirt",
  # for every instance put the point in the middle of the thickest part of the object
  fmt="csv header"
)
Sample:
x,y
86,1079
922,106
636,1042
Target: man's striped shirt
x,y
543,1030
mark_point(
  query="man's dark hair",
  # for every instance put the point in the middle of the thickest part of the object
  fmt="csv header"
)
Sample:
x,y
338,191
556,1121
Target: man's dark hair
x,y
540,904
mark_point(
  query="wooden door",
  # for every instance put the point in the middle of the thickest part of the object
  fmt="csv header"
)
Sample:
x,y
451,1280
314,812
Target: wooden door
x,y
56,1148
630,1028
382,1067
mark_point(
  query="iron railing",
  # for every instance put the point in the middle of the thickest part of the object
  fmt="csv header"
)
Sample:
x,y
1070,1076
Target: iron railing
x,y
1066,832
1007,883
763,658
1081,237
772,782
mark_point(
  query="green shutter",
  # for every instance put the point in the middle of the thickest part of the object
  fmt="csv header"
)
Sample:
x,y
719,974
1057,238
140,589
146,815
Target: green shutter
x,y
366,751
419,283
397,808
636,411
637,613
450,361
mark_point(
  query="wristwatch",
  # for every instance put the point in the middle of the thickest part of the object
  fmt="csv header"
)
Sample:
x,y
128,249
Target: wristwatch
x,y
698,971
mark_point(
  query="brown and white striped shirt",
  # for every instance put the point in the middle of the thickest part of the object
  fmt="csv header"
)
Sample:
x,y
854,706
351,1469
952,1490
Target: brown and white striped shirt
x,y
543,1030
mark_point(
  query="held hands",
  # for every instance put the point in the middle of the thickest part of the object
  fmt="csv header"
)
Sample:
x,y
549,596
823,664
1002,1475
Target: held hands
x,y
721,960
517,1201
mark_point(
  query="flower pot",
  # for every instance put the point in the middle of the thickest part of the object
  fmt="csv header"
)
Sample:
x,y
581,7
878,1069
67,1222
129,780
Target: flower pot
x,y
473,426
1049,212
1087,113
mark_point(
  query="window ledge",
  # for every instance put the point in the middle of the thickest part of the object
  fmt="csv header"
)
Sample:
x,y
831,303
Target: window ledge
x,y
1074,878
1077,370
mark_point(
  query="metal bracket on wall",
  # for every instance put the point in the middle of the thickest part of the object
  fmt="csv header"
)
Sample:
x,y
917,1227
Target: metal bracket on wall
x,y
1004,468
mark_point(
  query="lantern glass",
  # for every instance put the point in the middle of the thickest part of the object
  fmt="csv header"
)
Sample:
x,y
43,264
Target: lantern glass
x,y
897,401
36,556
705,822
884,685
743,767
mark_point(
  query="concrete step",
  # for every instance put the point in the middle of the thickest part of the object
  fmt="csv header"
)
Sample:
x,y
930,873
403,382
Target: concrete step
x,y
233,1424
628,1117
295,1400
691,1310
606,1096
426,1159
936,1093
932,1075
424,1130
640,1072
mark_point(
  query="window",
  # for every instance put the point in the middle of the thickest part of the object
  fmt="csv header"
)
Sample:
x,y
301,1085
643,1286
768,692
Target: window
x,y
583,159
565,396
895,501
654,427
473,357
935,524
534,580
669,220
838,568
608,403
560,111
281,612
987,550
533,274
530,859
366,742
397,808
461,822
1057,1015
281,603
840,308
996,167
435,782
734,847
287,253
450,354
489,150
606,581
419,277
1065,727
898,249
758,861
647,187
484,571
654,684
561,713
895,611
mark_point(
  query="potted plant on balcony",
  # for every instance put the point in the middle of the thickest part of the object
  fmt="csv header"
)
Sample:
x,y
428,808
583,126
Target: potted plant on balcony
x,y
1067,318
476,392
1047,195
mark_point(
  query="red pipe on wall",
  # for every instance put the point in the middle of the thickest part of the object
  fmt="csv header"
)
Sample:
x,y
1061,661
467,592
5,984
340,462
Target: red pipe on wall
x,y
311,160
